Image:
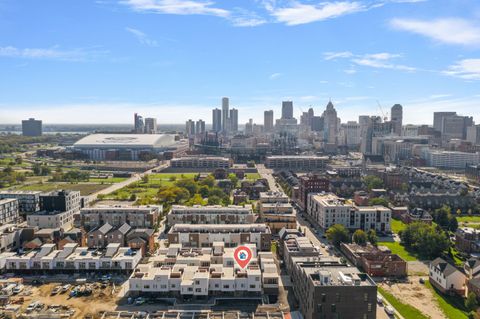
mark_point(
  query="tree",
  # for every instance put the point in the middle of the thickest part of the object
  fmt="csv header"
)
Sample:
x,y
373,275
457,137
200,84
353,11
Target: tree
x,y
214,200
188,184
373,182
429,241
378,201
208,181
360,237
234,179
145,179
372,237
444,218
196,200
338,234
471,301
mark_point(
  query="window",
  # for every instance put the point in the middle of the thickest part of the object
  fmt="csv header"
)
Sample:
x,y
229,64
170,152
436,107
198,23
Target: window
x,y
365,297
334,307
324,297
369,307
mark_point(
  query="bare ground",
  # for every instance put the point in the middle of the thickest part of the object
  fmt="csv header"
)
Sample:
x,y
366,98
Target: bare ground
x,y
416,295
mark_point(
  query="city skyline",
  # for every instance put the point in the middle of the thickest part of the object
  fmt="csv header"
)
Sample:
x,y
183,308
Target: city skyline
x,y
145,57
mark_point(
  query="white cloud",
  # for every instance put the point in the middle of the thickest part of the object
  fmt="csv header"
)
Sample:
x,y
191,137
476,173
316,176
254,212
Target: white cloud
x,y
142,37
335,55
180,7
374,60
298,13
350,71
445,30
53,53
468,69
275,76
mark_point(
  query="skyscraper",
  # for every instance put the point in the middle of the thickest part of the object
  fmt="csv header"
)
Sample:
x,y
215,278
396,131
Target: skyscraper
x,y
438,119
268,120
225,114
200,127
150,125
287,110
216,120
397,119
233,120
330,124
190,128
31,127
139,126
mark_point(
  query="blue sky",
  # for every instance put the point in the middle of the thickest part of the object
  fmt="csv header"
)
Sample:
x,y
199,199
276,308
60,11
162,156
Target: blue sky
x,y
86,61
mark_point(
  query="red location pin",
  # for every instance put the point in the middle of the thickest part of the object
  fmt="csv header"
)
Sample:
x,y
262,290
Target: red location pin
x,y
242,256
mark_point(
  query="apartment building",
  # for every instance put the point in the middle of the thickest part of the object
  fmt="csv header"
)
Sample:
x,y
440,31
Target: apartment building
x,y
201,162
311,183
181,271
73,258
214,214
57,210
277,216
328,209
296,162
451,159
28,201
326,288
8,211
116,215
232,235
467,240
273,197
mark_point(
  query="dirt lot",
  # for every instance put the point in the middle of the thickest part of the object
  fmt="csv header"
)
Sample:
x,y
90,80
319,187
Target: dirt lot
x,y
417,295
100,300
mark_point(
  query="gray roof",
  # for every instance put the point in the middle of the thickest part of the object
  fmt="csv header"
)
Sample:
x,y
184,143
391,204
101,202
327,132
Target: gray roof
x,y
140,232
444,266
105,228
124,229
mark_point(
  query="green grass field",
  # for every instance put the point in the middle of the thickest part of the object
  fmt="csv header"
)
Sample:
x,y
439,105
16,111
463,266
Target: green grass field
x,y
407,311
254,176
469,219
85,189
397,225
398,249
110,180
452,307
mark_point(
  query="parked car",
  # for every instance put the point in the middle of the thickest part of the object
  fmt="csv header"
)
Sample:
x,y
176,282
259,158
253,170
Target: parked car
x,y
18,289
65,288
379,300
56,290
140,301
389,310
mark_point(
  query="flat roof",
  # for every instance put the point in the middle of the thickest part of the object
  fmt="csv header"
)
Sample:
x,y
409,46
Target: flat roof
x,y
126,140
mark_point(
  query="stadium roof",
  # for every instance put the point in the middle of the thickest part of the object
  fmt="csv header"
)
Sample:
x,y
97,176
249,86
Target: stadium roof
x,y
127,140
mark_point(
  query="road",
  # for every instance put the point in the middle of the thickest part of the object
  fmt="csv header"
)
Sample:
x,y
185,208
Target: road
x,y
268,175
135,178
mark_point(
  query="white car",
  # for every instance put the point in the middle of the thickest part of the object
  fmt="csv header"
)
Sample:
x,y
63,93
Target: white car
x,y
389,310
380,300
18,289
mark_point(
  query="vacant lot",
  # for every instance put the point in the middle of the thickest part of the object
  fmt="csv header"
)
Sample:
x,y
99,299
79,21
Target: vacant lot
x,y
415,295
100,300
84,188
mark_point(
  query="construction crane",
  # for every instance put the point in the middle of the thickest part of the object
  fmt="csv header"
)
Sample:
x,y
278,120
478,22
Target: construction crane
x,y
385,115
